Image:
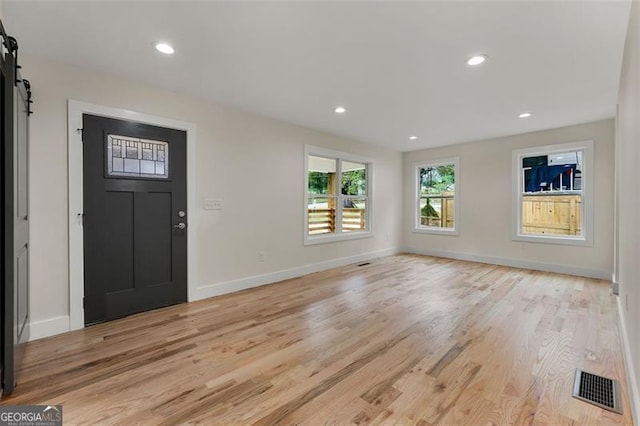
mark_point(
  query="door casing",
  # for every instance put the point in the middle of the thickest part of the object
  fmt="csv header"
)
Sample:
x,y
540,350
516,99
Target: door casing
x,y
76,246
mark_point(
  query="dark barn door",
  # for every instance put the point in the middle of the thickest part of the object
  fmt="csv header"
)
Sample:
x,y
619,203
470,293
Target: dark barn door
x,y
21,216
15,102
135,203
7,101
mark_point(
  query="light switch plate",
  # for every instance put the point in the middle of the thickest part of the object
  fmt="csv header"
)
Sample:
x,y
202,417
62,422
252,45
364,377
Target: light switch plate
x,y
212,204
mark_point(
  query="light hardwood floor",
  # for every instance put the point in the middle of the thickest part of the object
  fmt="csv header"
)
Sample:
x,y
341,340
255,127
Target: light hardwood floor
x,y
405,340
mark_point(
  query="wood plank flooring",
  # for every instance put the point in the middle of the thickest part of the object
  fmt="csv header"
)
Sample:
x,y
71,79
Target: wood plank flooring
x,y
405,340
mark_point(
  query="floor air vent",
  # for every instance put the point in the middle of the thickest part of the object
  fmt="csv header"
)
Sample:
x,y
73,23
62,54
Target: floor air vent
x,y
598,390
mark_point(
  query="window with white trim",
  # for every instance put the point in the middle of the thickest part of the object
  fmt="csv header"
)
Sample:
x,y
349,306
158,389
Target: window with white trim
x,y
553,193
436,207
337,195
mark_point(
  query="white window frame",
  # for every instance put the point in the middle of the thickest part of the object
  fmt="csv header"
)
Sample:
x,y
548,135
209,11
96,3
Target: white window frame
x,y
417,227
587,185
338,235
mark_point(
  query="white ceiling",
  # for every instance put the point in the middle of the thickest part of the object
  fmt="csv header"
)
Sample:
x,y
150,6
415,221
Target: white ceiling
x,y
399,68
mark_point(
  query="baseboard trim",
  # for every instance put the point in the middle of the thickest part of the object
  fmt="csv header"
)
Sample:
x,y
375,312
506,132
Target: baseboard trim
x,y
629,369
515,263
218,289
48,327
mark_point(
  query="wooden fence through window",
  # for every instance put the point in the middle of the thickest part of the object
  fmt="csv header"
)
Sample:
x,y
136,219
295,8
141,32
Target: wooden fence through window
x,y
559,214
446,218
323,221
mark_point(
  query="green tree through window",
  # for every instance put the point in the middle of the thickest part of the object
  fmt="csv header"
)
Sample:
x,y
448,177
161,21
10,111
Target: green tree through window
x,y
318,182
436,180
354,182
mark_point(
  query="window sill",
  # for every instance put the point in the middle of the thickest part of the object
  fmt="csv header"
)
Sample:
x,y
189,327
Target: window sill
x,y
561,240
323,239
436,231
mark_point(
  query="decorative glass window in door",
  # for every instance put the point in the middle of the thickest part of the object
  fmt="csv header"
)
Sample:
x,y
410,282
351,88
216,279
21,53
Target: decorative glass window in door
x,y
135,157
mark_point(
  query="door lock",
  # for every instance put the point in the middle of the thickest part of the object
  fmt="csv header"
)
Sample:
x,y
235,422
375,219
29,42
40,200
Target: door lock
x,y
181,213
180,225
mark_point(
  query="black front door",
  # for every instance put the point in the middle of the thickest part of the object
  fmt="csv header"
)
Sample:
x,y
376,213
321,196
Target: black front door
x,y
135,203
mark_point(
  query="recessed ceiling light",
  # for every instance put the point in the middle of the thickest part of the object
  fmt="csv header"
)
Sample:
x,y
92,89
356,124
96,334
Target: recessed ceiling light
x,y
413,138
340,110
477,59
165,48
525,115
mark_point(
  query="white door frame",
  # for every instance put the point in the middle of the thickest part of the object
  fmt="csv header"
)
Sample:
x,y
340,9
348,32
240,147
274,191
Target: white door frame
x,y
76,246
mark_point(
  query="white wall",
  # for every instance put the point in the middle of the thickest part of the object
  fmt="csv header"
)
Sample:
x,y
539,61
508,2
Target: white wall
x,y
254,164
484,183
628,196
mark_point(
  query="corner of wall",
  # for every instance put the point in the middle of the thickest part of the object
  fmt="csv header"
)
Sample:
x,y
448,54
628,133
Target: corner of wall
x,y
627,202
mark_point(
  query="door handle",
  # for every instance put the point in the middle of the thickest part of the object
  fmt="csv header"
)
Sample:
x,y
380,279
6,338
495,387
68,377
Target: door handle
x,y
180,225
